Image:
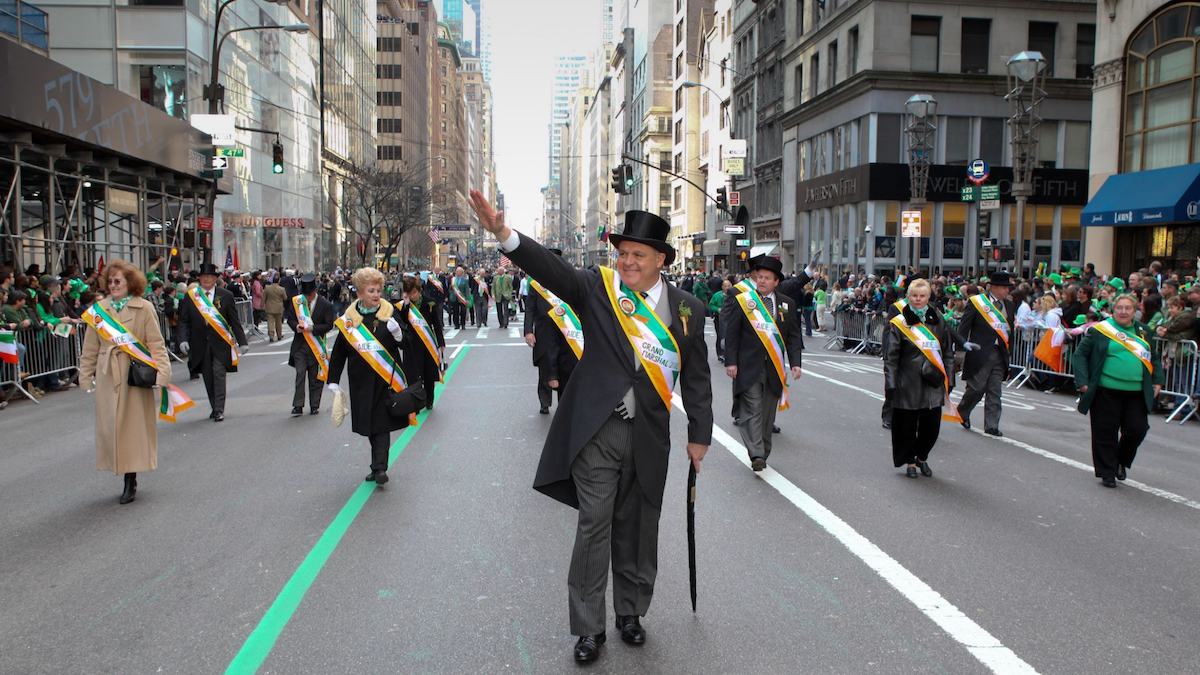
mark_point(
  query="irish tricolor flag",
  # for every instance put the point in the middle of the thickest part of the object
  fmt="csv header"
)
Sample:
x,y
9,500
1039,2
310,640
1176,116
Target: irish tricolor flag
x,y
8,346
172,401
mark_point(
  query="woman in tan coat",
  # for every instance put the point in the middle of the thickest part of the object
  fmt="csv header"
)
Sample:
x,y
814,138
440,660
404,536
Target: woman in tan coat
x,y
126,435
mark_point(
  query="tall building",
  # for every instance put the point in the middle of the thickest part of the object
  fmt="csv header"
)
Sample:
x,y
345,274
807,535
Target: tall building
x,y
570,73
688,202
716,79
452,121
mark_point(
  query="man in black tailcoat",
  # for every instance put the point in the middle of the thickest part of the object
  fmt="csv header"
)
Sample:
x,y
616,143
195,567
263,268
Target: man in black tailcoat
x,y
986,366
301,356
208,353
553,356
607,449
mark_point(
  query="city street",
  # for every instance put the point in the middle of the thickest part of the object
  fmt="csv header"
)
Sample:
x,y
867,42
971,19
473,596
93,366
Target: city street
x,y
257,547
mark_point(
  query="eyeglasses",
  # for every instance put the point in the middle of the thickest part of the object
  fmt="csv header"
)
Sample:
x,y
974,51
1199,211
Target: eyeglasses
x,y
114,280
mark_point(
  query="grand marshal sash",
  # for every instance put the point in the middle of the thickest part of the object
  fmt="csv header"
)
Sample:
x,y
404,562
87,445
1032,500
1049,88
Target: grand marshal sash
x,y
744,285
459,294
437,284
923,339
564,317
900,305
768,333
653,344
375,354
212,316
316,343
483,289
110,329
994,316
1129,340
427,337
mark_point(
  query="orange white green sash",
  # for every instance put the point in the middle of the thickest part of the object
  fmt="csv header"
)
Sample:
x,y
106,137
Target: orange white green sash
x,y
900,305
212,316
923,339
483,289
437,284
375,354
426,334
744,285
768,333
109,328
316,343
1129,340
653,344
459,294
994,316
564,317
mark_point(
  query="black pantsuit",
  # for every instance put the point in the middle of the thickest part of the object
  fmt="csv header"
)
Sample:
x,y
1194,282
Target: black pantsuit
x,y
306,366
1119,425
914,433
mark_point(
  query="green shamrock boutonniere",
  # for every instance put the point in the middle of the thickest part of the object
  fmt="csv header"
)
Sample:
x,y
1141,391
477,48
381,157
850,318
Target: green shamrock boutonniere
x,y
685,313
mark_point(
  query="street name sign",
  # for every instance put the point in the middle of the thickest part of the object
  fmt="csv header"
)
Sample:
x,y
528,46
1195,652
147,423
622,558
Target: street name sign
x,y
735,229
231,152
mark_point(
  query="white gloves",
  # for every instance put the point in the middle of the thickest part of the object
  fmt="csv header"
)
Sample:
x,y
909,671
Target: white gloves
x,y
394,328
244,349
183,347
333,387
971,346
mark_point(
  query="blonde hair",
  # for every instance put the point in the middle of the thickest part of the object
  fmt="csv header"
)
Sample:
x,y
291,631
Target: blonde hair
x,y
366,276
1126,296
1047,302
918,284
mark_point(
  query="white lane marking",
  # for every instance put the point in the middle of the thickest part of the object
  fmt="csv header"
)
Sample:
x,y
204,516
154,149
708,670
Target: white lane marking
x,y
457,348
514,332
1158,492
980,643
449,335
264,353
483,332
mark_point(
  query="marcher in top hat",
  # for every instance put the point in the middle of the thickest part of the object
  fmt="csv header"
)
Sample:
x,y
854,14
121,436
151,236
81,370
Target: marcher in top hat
x,y
212,335
986,328
754,359
607,449
311,317
552,355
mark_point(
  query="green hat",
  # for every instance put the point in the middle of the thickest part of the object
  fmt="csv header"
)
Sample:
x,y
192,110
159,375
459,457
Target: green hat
x,y
1056,279
1081,319
1117,284
1076,272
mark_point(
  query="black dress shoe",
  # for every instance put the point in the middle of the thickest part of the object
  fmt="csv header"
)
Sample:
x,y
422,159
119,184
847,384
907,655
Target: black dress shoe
x,y
220,417
544,410
314,411
130,488
774,429
297,411
588,647
371,477
887,424
737,421
1108,482
966,424
1120,472
912,472
994,432
631,629
212,415
758,463
925,470
381,477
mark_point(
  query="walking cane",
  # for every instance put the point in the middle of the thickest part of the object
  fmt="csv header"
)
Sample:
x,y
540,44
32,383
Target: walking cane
x,y
691,529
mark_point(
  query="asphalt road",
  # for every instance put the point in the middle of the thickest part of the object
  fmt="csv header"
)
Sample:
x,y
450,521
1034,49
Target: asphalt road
x,y
257,547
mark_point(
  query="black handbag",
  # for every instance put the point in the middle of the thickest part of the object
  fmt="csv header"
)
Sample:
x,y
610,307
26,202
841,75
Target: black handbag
x,y
141,374
401,404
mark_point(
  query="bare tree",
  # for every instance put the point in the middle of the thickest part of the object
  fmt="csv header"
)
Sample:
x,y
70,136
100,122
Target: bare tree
x,y
379,204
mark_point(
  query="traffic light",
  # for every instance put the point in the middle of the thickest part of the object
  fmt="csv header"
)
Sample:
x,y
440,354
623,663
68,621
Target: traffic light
x,y
618,179
627,173
277,157
722,199
743,255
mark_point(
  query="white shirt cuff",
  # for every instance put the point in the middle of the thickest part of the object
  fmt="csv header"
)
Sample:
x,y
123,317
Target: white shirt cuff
x,y
509,245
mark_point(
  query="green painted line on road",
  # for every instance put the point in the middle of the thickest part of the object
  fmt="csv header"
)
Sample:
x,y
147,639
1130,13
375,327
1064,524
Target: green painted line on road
x,y
262,639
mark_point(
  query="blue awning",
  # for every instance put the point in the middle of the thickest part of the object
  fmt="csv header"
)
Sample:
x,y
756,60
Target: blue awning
x,y
1146,197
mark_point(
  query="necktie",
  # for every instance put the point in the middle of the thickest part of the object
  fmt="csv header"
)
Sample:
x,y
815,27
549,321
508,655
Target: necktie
x,y
770,303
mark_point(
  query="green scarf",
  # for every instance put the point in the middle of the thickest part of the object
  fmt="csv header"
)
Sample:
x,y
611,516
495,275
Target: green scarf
x,y
119,305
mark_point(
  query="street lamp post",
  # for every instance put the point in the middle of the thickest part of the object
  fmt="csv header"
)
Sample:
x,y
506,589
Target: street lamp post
x,y
922,117
1026,82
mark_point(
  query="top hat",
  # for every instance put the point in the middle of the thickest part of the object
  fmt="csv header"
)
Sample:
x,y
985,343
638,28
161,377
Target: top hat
x,y
209,268
1000,279
766,262
308,283
646,228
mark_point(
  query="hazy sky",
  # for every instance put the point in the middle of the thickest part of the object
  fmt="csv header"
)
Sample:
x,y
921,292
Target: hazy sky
x,y
526,36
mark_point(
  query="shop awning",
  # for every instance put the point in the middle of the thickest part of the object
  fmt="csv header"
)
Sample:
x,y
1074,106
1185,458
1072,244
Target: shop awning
x,y
1146,197
765,249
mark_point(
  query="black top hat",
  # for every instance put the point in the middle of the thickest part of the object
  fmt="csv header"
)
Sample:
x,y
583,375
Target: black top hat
x,y
766,262
308,283
209,268
646,228
1000,279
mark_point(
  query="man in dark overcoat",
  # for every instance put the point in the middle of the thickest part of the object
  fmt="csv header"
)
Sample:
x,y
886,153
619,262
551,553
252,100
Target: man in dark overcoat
x,y
756,385
301,356
986,366
607,450
208,353
553,356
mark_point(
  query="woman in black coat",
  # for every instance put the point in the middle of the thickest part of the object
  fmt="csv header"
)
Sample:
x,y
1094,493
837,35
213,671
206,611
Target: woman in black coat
x,y
423,362
915,385
369,415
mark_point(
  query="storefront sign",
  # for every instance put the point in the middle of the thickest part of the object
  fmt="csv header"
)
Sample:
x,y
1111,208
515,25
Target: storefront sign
x,y
204,223
283,222
123,201
765,234
841,187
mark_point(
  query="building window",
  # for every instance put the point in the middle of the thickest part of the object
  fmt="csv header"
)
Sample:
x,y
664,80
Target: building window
x,y
991,140
388,71
852,52
678,162
165,88
814,74
679,32
390,152
678,131
958,140
1041,39
925,31
679,66
833,59
679,98
678,198
799,84
1162,128
1085,50
704,144
389,125
887,135
393,98
976,45
800,16
1077,145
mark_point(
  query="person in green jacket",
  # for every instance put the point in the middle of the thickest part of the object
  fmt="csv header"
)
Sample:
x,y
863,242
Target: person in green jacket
x,y
819,298
701,289
714,306
1118,377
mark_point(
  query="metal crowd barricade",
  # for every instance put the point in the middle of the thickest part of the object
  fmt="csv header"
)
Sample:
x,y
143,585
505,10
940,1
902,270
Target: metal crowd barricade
x,y
1179,363
164,327
857,331
46,355
1023,344
245,312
